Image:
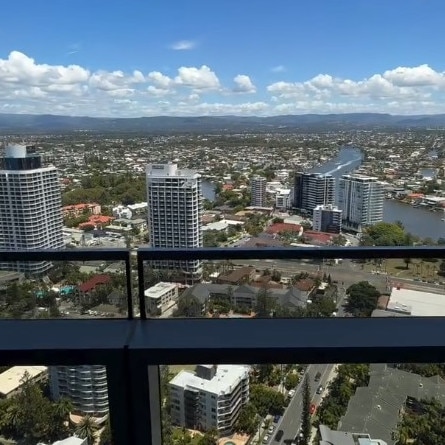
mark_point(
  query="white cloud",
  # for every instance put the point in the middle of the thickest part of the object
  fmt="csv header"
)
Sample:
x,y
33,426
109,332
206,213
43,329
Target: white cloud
x,y
28,86
197,78
183,45
18,68
243,84
417,76
159,80
278,69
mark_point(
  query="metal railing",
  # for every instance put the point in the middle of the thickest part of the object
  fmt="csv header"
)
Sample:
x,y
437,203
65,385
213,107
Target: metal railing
x,y
132,349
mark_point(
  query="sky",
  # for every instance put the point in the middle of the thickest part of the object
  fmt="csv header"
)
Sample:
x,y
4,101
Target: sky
x,y
132,58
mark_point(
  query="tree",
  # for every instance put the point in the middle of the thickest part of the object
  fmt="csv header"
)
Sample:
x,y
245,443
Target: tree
x,y
264,304
63,408
384,234
407,262
86,429
306,414
291,381
210,437
188,306
266,400
362,299
247,423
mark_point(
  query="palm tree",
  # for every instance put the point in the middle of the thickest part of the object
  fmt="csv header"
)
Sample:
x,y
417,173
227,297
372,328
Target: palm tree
x,y
63,408
86,429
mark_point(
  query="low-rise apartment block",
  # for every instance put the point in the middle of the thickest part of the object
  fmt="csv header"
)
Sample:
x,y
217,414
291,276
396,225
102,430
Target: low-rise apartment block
x,y
161,296
210,398
12,380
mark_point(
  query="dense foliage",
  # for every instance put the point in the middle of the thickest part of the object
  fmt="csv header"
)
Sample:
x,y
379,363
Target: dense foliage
x,y
106,189
341,389
422,423
386,234
306,426
31,417
362,299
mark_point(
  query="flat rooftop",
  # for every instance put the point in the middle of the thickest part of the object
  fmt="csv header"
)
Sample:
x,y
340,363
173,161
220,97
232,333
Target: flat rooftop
x,y
159,289
226,378
11,379
421,304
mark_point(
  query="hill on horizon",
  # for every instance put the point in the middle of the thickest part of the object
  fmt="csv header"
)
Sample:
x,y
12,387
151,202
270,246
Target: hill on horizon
x,y
45,123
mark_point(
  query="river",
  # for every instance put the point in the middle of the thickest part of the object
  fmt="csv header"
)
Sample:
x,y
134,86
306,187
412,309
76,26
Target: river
x,y
418,221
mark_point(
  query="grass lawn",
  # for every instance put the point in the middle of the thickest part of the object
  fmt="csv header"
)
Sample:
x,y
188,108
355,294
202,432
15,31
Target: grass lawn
x,y
397,268
175,369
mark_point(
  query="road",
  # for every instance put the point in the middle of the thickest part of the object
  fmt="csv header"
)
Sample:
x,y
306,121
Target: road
x,y
290,422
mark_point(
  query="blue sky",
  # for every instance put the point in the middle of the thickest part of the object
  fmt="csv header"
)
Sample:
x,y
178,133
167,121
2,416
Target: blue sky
x,y
138,57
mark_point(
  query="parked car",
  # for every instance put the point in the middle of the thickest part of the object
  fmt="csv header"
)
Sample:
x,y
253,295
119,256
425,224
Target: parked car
x,y
276,418
279,435
270,429
291,393
320,389
266,439
317,376
312,409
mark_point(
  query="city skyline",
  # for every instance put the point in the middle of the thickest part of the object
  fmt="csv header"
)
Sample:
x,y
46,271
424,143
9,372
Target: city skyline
x,y
202,59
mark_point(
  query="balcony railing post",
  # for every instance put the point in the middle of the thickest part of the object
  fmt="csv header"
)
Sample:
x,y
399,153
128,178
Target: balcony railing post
x,y
145,401
129,286
119,401
141,287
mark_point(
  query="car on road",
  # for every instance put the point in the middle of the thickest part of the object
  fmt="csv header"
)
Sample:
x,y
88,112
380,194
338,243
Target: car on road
x,y
317,376
312,409
266,439
279,435
320,389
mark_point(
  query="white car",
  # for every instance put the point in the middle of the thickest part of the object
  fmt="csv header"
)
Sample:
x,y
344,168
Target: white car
x,y
291,393
270,430
266,439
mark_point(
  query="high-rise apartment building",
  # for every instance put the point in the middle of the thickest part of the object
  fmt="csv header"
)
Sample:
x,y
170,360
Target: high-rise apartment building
x,y
174,199
327,218
258,191
361,200
211,398
30,207
85,386
313,189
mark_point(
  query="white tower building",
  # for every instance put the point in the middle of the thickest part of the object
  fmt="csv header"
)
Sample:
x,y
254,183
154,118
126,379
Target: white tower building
x,y
258,188
30,207
174,199
361,200
210,398
85,386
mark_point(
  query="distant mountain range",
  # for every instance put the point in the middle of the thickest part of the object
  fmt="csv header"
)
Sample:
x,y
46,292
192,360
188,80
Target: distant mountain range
x,y
27,123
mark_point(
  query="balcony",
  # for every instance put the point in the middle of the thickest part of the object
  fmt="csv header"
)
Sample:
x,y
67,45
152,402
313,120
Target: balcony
x,y
133,348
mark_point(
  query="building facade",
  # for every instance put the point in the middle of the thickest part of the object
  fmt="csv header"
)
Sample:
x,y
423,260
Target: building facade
x,y
327,218
210,398
313,189
175,207
361,200
30,207
161,296
85,386
282,199
258,191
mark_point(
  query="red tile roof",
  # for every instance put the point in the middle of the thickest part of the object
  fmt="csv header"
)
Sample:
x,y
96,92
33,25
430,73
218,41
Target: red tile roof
x,y
91,284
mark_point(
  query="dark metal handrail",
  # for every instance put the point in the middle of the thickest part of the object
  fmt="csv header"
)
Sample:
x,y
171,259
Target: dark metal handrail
x,y
132,349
